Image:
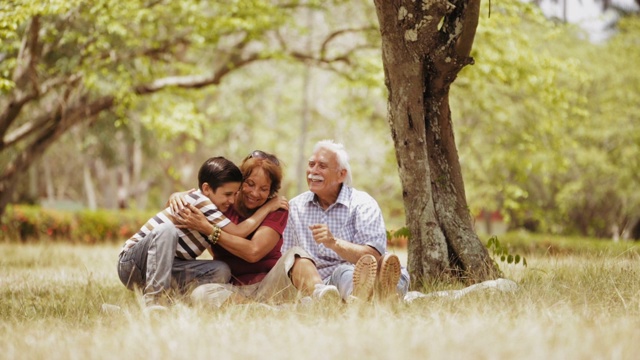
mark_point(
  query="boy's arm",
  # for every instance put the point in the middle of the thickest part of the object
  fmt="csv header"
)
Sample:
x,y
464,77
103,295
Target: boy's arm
x,y
249,225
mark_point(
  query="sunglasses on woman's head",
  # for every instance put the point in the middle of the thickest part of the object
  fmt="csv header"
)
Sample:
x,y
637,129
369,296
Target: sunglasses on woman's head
x,y
259,154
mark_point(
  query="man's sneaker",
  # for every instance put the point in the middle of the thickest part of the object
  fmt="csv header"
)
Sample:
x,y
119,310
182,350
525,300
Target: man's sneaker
x,y
388,276
364,277
327,294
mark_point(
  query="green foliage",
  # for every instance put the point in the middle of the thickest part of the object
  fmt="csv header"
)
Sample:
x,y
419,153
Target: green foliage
x,y
520,105
542,119
502,252
600,190
398,238
403,231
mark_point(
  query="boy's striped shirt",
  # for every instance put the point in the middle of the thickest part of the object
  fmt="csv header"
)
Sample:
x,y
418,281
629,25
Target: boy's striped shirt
x,y
191,243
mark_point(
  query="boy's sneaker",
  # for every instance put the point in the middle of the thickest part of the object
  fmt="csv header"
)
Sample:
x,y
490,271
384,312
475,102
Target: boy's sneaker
x,y
388,276
327,294
111,309
155,310
364,277
214,295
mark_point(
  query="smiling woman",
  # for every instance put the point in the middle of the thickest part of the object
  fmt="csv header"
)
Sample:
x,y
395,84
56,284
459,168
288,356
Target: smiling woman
x,y
250,261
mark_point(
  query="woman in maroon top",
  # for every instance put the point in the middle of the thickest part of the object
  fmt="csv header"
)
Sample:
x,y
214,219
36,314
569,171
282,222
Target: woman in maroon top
x,y
250,260
259,270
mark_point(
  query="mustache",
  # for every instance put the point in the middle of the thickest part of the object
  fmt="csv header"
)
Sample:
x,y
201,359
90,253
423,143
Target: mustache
x,y
315,177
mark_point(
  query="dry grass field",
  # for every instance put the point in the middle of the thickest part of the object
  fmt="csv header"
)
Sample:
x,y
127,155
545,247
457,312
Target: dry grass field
x,y
566,307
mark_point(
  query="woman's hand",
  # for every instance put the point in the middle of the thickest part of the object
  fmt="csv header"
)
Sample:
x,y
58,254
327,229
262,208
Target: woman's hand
x,y
278,202
192,218
177,201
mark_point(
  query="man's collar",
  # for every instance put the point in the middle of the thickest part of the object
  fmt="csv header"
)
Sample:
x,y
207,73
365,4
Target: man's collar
x,y
343,196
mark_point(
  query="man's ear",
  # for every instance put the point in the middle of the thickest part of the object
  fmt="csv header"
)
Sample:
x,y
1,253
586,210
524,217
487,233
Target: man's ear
x,y
343,175
206,189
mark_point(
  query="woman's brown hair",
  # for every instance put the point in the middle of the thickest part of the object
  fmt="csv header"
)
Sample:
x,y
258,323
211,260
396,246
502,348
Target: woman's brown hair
x,y
270,168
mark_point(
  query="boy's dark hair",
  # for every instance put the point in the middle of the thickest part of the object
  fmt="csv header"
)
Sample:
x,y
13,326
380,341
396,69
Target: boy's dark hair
x,y
217,171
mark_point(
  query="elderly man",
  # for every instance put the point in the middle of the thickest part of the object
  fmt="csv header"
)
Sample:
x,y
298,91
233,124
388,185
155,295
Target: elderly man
x,y
343,230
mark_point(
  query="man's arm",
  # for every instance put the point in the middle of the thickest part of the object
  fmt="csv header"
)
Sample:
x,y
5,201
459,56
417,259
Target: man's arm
x,y
347,250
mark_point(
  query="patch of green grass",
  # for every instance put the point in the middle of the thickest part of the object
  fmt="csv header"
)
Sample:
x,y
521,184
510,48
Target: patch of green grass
x,y
521,242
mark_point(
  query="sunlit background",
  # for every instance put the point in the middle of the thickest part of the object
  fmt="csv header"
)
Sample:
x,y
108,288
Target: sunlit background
x,y
546,119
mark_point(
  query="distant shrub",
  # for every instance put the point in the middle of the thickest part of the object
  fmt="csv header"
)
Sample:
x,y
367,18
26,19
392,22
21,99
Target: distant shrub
x,y
29,223
398,238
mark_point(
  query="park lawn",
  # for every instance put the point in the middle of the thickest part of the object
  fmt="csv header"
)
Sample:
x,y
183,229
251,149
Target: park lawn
x,y
568,306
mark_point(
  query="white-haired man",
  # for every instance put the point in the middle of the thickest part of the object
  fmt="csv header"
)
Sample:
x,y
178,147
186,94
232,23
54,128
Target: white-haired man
x,y
343,230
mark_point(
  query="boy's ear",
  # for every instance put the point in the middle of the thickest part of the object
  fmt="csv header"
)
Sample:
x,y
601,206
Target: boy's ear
x,y
206,188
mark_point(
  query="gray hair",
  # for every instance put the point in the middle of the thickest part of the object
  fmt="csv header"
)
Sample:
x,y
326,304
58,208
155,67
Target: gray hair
x,y
341,155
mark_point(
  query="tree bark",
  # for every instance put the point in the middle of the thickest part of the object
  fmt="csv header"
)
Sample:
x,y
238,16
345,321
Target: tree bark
x,y
424,46
89,188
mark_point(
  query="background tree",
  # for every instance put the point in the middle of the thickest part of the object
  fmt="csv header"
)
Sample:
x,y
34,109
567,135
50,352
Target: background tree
x,y
71,62
516,108
544,123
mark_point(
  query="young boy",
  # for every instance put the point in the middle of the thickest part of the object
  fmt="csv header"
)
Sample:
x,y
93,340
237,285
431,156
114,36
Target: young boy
x,y
161,256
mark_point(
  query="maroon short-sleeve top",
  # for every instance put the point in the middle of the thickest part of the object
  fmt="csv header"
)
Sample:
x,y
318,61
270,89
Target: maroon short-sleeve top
x,y
243,272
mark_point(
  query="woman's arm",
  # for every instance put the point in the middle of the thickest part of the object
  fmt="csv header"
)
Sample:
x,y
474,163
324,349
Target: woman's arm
x,y
251,251
178,205
247,226
262,242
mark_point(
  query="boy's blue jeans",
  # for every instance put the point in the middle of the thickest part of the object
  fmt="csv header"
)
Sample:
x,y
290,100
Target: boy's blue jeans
x,y
152,266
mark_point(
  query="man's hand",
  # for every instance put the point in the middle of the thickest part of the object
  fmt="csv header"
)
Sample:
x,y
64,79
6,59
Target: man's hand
x,y
278,202
322,235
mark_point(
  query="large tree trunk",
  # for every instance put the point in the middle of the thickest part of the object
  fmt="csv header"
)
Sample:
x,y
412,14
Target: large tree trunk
x,y
421,60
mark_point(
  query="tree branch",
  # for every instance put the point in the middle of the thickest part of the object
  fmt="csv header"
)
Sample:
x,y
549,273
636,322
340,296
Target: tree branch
x,y
469,18
193,81
59,122
27,56
200,81
23,75
14,107
334,35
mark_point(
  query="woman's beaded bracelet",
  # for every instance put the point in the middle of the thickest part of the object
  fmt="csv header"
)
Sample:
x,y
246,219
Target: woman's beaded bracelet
x,y
215,235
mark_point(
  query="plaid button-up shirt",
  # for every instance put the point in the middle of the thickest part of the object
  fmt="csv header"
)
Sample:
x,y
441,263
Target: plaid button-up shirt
x,y
354,217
